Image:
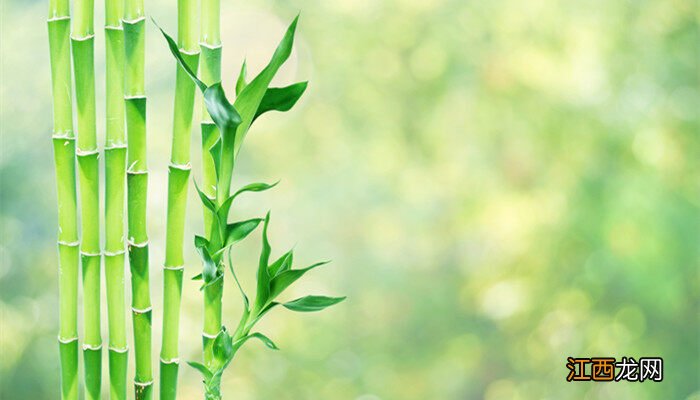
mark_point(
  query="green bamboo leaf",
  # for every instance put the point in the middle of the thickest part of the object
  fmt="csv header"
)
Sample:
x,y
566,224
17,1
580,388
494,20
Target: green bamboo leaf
x,y
286,278
240,82
257,335
202,369
227,119
266,340
176,53
209,269
240,288
280,99
263,273
200,242
215,151
222,347
223,113
223,210
248,101
312,303
218,277
208,203
282,264
255,187
237,231
197,277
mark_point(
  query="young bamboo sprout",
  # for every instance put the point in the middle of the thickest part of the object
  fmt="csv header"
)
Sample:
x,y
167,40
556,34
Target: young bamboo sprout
x,y
83,42
137,185
233,122
115,180
210,70
178,179
64,158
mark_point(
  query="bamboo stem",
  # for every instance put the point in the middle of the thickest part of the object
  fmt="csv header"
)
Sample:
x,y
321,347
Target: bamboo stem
x,y
178,179
83,45
137,185
64,158
210,72
115,185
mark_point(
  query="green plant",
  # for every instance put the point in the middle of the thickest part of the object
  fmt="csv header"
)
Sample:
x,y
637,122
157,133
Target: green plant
x,y
178,179
210,70
83,46
64,158
137,185
233,121
115,181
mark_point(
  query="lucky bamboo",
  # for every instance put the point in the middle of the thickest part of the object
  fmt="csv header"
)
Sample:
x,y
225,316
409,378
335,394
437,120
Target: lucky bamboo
x,y
210,72
83,45
178,180
64,157
233,122
115,182
137,184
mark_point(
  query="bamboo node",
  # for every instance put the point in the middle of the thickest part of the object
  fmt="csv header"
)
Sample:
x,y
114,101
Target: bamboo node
x,y
84,38
133,21
115,146
67,340
143,384
211,46
174,267
89,254
208,336
139,245
119,349
114,253
134,96
170,361
189,53
65,135
69,244
183,167
91,347
85,153
114,27
144,311
59,18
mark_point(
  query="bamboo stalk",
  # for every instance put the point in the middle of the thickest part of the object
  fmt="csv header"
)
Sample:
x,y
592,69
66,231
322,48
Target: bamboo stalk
x,y
210,72
64,157
115,182
178,179
83,45
137,185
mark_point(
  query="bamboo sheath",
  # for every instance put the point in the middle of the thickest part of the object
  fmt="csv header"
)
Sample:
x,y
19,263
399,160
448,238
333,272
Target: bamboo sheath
x,y
137,184
83,46
178,179
115,185
64,158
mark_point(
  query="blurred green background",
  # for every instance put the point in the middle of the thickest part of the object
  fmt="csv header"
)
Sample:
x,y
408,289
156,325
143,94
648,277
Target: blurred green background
x,y
500,184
